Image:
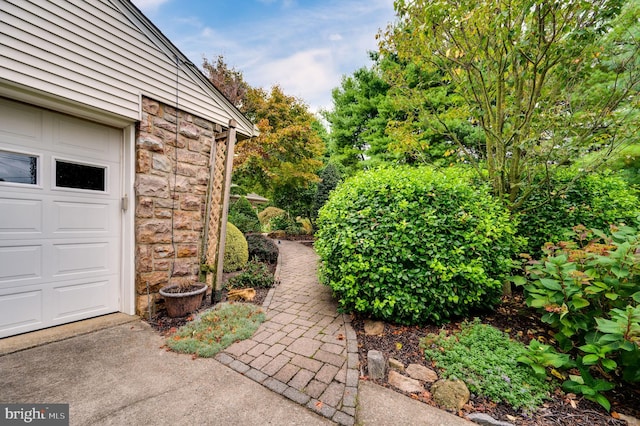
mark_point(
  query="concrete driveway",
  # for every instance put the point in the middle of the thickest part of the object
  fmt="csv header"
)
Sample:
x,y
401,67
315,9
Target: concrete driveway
x,y
121,375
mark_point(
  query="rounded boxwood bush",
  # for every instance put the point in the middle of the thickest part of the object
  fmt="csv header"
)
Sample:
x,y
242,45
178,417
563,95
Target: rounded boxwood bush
x,y
236,250
414,245
243,216
572,198
266,215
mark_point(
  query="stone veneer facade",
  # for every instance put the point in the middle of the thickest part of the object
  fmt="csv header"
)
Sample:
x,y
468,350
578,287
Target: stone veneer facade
x,y
169,207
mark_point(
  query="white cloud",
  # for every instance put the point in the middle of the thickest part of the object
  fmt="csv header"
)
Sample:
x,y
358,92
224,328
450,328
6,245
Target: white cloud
x,y
308,75
335,37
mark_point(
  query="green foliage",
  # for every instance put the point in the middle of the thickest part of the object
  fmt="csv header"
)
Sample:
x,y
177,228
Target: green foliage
x,y
621,336
217,329
236,252
262,249
243,216
413,245
540,357
486,360
255,274
585,384
588,290
285,223
284,159
269,213
579,281
573,198
544,82
329,179
359,119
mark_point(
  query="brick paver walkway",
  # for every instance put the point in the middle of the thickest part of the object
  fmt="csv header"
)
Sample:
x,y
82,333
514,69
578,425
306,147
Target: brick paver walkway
x,y
305,350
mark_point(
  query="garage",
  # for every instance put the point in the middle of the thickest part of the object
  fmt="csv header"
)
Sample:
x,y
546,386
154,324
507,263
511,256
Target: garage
x,y
60,218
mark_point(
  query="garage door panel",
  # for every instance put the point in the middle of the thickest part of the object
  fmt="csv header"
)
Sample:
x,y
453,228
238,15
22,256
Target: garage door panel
x,y
19,263
73,259
20,216
81,299
21,123
86,139
20,312
81,217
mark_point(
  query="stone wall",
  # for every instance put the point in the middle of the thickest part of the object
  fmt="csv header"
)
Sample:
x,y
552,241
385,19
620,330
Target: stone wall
x,y
170,207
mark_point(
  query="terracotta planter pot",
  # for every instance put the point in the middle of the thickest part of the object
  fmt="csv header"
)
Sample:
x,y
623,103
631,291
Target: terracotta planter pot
x,y
179,303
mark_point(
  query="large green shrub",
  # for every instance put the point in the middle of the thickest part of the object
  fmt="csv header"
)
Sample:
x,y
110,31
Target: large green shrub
x,y
572,198
413,245
242,215
236,251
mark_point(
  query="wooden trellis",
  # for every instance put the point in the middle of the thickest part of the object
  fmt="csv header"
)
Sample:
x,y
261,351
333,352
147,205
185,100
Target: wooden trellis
x,y
221,169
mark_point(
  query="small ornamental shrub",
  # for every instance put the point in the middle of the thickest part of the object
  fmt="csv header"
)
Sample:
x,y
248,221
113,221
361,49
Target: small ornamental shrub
x,y
254,275
305,225
243,216
236,251
262,249
413,245
594,200
588,291
285,223
267,214
486,360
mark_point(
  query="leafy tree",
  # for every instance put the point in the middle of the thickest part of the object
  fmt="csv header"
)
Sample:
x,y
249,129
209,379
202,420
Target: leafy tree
x,y
359,119
229,81
525,77
283,160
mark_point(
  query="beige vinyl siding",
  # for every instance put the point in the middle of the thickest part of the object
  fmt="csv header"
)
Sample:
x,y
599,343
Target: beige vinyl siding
x,y
96,53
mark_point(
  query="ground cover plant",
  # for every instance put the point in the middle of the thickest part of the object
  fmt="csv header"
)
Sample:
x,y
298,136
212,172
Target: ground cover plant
x,y
217,329
485,358
412,245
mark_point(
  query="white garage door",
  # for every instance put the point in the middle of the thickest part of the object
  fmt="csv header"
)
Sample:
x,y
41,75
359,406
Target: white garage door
x,y
59,218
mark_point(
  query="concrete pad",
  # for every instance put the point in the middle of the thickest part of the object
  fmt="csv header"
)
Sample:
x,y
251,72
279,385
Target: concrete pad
x,y
380,406
124,375
36,338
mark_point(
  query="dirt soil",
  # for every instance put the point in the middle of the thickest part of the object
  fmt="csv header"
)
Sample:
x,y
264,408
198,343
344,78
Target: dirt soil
x,y
513,317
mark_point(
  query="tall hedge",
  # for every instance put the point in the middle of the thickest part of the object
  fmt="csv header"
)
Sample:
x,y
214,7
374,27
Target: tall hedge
x,y
572,198
414,245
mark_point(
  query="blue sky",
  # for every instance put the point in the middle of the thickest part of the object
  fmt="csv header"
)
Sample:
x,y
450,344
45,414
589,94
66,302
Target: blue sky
x,y
305,46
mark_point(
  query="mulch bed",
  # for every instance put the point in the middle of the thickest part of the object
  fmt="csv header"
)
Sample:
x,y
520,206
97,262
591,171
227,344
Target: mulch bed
x,y
402,343
166,325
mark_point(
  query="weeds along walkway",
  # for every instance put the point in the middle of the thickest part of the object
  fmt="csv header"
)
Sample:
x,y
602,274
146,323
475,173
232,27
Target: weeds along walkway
x,y
305,350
